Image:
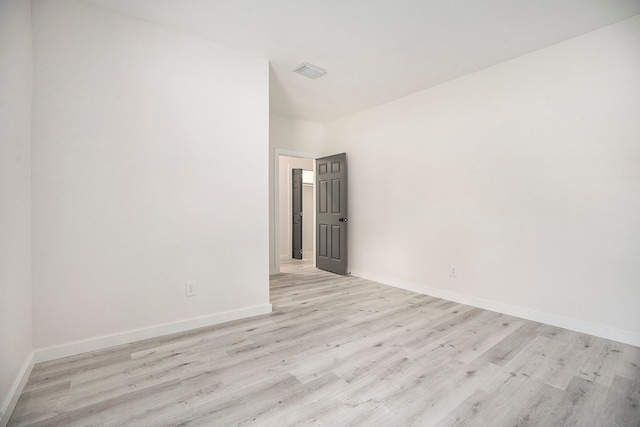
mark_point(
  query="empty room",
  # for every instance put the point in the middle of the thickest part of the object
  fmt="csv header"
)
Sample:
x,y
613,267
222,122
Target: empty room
x,y
337,213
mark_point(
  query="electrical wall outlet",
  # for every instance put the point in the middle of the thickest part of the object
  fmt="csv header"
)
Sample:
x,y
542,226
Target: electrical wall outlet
x,y
453,271
190,289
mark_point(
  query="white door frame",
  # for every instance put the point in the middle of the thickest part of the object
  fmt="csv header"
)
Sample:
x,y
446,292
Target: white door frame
x,y
277,152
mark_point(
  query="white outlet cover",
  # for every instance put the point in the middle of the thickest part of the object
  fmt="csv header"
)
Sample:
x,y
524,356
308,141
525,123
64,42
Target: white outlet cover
x,y
190,289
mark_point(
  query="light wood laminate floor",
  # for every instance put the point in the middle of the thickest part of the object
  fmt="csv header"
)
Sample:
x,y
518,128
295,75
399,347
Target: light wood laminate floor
x,y
340,351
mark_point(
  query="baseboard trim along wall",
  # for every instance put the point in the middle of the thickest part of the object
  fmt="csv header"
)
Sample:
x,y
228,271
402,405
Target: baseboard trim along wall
x,y
100,343
625,337
9,403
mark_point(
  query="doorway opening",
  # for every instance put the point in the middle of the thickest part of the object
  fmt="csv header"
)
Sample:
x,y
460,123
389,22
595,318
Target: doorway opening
x,y
286,163
328,250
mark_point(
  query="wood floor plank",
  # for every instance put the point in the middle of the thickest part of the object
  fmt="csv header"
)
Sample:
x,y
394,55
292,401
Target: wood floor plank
x,y
601,363
340,351
622,404
505,350
582,404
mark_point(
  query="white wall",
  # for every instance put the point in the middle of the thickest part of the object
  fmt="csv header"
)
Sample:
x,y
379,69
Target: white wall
x,y
150,149
15,201
287,136
295,135
526,176
285,166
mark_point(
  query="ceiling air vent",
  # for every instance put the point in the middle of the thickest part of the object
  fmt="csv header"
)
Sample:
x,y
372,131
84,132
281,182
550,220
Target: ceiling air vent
x,y
310,71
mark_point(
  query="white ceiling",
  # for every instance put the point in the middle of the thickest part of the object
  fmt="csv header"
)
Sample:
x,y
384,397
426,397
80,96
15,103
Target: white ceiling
x,y
375,50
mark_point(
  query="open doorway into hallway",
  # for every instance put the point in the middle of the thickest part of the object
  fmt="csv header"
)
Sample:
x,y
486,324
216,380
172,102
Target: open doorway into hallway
x,y
285,164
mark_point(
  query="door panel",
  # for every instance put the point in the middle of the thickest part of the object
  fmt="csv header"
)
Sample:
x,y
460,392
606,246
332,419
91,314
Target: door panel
x,y
323,238
322,197
335,242
296,212
335,196
331,213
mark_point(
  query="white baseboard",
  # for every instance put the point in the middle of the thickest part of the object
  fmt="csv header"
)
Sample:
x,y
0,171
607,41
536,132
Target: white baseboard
x,y
100,343
9,403
625,337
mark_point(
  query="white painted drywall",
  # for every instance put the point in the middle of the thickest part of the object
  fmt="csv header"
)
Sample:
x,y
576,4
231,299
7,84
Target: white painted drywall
x,y
16,349
286,165
295,135
150,149
526,176
287,135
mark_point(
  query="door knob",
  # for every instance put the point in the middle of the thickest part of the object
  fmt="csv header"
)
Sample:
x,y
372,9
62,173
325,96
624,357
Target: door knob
x,y
343,219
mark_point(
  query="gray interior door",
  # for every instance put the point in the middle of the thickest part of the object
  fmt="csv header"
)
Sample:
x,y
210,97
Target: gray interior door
x,y
331,213
296,212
